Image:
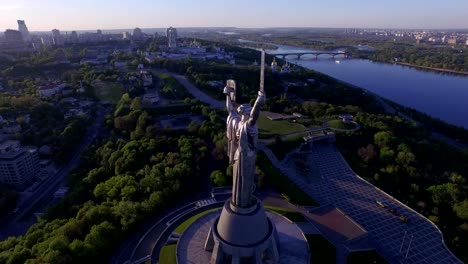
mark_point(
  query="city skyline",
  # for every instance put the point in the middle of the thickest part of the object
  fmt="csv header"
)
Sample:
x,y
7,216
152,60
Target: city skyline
x,y
87,15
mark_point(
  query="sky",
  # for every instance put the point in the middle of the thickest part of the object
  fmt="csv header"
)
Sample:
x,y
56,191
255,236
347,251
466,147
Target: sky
x,y
44,15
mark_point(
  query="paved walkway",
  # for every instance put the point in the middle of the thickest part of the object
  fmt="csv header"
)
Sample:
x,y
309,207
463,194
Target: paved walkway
x,y
342,188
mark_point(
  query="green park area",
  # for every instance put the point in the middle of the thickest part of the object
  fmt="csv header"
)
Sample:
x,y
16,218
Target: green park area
x,y
269,128
339,124
171,88
108,91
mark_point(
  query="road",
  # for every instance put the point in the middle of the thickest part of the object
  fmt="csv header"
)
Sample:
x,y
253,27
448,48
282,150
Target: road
x,y
197,93
50,185
154,234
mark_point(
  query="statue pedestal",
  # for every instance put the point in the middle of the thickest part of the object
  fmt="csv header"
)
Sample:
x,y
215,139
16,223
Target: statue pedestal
x,y
242,235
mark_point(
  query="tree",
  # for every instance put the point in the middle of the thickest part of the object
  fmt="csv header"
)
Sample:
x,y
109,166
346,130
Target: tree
x,y
367,153
386,154
136,104
405,158
383,138
218,178
100,235
461,209
447,193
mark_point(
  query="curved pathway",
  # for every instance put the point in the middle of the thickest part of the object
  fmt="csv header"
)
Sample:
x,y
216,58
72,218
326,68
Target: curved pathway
x,y
155,235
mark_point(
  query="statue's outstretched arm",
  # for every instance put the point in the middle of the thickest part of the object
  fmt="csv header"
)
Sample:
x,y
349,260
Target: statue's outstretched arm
x,y
229,106
255,113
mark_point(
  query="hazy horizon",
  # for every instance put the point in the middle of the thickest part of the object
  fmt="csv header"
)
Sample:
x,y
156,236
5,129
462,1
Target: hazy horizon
x,y
125,14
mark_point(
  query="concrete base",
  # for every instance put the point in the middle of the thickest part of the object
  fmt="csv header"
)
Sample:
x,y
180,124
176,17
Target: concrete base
x,y
243,235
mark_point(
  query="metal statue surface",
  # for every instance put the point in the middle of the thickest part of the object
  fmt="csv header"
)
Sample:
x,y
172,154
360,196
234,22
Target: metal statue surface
x,y
242,134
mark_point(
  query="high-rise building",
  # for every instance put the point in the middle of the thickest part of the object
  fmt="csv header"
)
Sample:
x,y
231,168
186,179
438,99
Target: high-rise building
x,y
13,37
57,37
73,37
24,30
18,165
171,34
126,35
137,34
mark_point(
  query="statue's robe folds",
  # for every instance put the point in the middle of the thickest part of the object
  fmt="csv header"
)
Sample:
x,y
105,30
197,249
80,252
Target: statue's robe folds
x,y
242,139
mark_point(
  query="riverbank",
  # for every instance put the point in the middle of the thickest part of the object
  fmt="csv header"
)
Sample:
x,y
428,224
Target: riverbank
x,y
431,69
443,134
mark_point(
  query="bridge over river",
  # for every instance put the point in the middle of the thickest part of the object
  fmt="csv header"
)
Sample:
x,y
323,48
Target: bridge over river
x,y
314,53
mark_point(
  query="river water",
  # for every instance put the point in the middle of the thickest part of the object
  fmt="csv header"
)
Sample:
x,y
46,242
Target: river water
x,y
440,95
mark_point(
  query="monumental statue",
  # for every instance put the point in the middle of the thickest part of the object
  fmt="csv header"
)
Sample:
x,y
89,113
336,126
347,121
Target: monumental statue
x,y
242,134
243,233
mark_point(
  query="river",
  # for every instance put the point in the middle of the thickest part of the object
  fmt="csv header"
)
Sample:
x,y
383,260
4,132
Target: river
x,y
440,95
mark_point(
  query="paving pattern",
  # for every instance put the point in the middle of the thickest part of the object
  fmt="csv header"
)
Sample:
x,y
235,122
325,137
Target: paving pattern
x,y
293,245
205,202
418,241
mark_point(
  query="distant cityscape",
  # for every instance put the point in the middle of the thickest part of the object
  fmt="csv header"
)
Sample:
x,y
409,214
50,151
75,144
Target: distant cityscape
x,y
429,36
22,39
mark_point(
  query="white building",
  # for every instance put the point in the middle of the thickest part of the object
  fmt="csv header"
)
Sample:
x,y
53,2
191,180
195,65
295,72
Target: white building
x,y
126,35
18,166
151,98
147,79
50,89
286,68
171,34
274,65
24,30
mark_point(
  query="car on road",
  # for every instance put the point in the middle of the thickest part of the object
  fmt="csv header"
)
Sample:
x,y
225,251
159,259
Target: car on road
x,y
381,204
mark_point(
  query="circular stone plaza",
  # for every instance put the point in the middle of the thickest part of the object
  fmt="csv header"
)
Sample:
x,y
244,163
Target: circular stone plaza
x,y
292,244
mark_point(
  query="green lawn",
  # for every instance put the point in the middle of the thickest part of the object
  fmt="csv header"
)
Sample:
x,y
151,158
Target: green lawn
x,y
321,250
268,128
171,88
291,215
168,254
281,182
108,91
339,124
182,227
365,257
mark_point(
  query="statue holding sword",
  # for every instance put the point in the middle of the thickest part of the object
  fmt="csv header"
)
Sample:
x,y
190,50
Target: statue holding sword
x,y
242,134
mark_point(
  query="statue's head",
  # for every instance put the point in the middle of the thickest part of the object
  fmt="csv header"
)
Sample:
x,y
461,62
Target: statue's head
x,y
244,109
